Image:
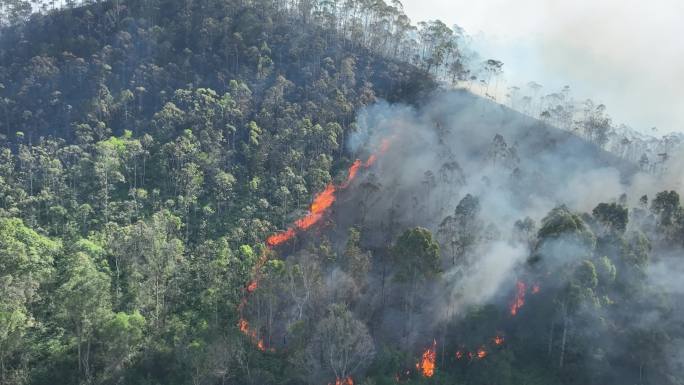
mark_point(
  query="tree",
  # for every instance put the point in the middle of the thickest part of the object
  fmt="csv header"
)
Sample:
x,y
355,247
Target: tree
x,y
596,123
123,335
669,216
357,262
14,11
579,290
493,68
563,225
613,216
462,230
416,257
26,267
224,183
108,170
84,301
501,154
525,231
666,206
341,345
159,251
303,283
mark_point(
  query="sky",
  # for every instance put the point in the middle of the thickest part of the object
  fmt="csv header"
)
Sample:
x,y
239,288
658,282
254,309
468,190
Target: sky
x,y
627,54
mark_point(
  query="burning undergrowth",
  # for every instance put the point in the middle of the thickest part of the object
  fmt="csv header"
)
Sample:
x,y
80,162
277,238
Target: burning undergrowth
x,y
471,178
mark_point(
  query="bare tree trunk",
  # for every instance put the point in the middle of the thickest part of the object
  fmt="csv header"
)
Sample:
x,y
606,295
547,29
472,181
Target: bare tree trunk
x,y
409,307
2,367
80,360
551,338
564,338
382,281
444,330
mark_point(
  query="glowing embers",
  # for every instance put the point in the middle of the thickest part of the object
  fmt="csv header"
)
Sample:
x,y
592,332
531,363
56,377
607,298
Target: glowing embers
x,y
481,352
519,300
243,325
426,365
535,289
344,381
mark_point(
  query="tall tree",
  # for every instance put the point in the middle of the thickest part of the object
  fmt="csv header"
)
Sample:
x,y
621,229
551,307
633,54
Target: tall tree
x,y
416,257
341,345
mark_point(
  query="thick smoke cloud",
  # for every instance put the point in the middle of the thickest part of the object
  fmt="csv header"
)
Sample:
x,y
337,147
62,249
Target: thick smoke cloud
x,y
462,158
517,167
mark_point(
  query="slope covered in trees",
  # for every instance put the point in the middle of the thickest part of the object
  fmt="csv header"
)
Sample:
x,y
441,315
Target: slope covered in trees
x,y
161,143
149,148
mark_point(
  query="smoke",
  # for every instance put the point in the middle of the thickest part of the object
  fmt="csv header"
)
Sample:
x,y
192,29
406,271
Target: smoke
x,y
673,177
469,171
582,43
457,144
482,281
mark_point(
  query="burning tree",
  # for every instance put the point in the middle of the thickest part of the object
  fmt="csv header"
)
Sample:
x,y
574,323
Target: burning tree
x,y
426,364
341,345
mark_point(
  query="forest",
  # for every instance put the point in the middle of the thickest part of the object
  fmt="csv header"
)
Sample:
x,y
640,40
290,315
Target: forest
x,y
317,192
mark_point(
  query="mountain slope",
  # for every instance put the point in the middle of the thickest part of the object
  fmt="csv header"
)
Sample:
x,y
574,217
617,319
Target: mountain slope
x,y
152,148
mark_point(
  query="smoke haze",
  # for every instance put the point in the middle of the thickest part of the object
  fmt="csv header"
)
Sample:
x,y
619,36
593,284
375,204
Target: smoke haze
x,y
612,51
457,144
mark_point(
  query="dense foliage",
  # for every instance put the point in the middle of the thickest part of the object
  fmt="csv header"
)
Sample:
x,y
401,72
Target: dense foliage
x,y
149,147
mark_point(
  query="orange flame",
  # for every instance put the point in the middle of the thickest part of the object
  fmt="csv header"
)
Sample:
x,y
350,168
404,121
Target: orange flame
x,y
243,325
427,362
323,200
351,174
344,381
481,353
498,340
459,355
278,238
321,203
519,298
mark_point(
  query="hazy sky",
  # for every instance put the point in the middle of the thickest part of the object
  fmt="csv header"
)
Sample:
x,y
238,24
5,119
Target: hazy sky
x,y
627,54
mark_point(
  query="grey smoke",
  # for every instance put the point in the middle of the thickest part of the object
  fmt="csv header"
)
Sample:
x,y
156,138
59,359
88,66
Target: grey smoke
x,y
541,168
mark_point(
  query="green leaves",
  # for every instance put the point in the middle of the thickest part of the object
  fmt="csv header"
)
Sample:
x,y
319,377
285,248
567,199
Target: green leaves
x,y
612,215
416,254
561,222
26,270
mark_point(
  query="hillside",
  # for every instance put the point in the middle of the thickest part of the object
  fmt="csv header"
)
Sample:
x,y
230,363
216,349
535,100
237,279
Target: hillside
x,y
260,192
